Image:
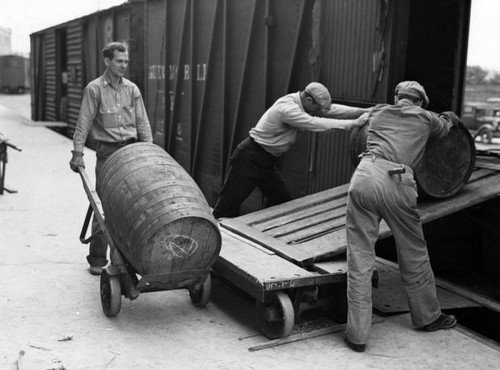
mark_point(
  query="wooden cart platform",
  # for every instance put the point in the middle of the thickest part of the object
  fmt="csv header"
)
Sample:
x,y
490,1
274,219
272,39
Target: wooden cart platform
x,y
296,250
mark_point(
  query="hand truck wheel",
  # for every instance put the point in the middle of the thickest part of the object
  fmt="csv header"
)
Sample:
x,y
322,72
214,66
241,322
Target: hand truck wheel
x,y
200,294
111,294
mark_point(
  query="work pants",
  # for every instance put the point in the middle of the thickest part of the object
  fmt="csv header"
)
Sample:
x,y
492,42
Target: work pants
x,y
98,246
250,166
376,195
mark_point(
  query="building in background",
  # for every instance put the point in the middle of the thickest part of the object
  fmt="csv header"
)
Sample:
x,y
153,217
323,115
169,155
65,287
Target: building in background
x,y
5,43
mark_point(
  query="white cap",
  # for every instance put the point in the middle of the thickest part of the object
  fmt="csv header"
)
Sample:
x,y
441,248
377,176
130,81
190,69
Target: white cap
x,y
412,88
320,94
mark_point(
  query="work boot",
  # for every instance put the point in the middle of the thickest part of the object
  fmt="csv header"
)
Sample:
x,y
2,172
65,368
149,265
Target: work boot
x,y
354,346
95,270
442,322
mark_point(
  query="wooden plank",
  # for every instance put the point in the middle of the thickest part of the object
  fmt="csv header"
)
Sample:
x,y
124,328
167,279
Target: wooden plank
x,y
248,242
471,195
331,243
291,253
307,335
490,166
254,270
295,205
311,228
279,224
458,290
325,246
390,297
480,173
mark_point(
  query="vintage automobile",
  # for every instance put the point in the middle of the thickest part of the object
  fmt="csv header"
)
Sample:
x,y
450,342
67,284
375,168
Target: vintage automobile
x,y
482,119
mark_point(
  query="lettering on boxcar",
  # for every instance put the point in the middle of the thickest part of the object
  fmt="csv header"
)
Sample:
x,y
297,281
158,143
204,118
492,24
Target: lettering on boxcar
x,y
180,246
201,72
178,137
156,72
172,100
173,69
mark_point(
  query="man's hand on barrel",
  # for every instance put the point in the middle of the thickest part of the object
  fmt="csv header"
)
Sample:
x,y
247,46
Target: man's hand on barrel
x,y
455,120
76,161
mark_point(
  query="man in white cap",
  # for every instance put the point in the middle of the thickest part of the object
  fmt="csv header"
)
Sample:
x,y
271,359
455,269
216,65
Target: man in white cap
x,y
253,162
383,187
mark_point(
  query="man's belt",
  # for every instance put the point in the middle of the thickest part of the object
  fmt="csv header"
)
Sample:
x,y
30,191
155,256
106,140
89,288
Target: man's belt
x,y
120,143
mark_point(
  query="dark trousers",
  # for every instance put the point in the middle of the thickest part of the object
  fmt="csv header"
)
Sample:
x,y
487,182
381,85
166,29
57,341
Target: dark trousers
x,y
250,166
98,246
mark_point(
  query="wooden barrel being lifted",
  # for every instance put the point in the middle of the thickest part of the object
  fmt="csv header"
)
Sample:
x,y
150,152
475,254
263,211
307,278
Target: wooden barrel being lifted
x,y
155,212
446,166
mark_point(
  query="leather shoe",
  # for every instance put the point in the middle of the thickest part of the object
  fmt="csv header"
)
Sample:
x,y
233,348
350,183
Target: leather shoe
x,y
354,346
442,322
95,270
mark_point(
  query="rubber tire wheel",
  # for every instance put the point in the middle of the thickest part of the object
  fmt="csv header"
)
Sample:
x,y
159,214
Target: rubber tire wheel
x,y
280,306
486,136
111,294
201,296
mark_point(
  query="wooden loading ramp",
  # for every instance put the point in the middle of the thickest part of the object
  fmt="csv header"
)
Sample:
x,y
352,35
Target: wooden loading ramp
x,y
299,247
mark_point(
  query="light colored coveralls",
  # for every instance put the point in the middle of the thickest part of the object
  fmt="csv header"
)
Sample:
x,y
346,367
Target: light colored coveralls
x,y
397,135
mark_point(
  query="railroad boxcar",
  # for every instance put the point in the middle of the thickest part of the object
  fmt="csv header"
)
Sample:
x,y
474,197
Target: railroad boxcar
x,y
209,69
14,74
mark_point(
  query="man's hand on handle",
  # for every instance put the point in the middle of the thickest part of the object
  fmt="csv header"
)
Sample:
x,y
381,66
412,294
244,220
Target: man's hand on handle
x,y
76,161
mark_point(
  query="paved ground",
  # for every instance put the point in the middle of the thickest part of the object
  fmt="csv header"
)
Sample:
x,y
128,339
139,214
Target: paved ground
x,y
50,306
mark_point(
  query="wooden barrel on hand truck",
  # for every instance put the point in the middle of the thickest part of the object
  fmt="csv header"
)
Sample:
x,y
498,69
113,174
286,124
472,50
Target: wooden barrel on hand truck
x,y
159,220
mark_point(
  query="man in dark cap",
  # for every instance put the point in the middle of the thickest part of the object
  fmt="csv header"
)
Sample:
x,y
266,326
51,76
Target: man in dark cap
x,y
253,162
383,187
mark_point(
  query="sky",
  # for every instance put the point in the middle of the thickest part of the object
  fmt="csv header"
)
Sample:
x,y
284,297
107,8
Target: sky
x,y
484,44
24,17
27,16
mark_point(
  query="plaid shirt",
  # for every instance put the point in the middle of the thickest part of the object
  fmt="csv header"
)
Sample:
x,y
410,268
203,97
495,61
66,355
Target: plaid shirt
x,y
111,113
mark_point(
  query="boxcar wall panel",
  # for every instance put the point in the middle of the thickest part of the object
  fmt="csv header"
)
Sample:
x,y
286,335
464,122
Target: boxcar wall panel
x,y
204,134
292,64
74,70
91,53
268,47
355,43
157,71
226,63
37,76
178,122
50,75
121,21
207,164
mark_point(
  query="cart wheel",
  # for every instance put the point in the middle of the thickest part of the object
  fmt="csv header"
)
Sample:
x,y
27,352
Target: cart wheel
x,y
276,318
200,296
111,294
